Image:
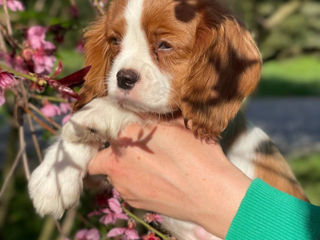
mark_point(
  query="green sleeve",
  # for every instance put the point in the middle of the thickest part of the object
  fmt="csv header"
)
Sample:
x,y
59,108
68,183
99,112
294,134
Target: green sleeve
x,y
268,214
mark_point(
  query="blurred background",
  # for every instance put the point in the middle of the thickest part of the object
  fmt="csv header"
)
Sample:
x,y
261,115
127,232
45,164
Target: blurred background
x,y
286,104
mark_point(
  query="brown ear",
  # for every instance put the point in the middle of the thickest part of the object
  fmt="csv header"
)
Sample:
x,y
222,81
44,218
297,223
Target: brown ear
x,y
226,69
96,56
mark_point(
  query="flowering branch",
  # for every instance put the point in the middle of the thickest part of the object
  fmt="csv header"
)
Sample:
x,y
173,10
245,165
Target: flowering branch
x,y
150,228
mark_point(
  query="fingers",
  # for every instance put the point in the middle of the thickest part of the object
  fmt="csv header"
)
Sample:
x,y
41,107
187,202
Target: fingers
x,y
99,164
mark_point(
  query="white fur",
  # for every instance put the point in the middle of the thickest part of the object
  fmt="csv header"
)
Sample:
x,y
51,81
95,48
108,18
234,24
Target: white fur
x,y
152,91
56,184
242,152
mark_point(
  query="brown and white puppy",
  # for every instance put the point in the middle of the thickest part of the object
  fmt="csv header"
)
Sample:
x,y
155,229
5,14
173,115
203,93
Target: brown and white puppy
x,y
187,57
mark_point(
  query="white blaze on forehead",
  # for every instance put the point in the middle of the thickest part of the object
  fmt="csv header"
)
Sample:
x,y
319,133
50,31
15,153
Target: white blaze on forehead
x,y
152,91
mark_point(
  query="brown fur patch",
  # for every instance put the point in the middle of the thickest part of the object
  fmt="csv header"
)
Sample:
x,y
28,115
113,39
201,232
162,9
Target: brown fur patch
x,y
271,167
99,52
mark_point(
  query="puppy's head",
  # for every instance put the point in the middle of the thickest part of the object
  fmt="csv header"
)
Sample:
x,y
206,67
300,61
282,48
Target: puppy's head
x,y
168,55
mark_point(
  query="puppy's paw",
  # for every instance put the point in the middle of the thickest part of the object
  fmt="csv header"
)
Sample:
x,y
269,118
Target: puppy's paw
x,y
56,185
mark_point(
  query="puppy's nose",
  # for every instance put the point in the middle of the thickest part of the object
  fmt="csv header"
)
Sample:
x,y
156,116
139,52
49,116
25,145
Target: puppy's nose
x,y
127,78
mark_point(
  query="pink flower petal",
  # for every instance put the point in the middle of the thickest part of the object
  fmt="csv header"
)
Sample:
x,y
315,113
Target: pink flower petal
x,y
65,107
66,119
116,194
14,5
107,219
116,232
122,216
50,110
93,234
115,205
81,234
7,80
132,234
36,36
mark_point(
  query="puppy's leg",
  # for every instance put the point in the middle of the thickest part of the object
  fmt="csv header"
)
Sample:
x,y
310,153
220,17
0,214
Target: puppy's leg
x,y
56,184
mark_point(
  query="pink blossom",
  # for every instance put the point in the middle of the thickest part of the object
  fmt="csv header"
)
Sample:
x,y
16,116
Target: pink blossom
x,y
153,218
7,80
14,5
111,217
66,119
43,63
50,110
115,194
36,37
65,107
84,234
129,234
113,213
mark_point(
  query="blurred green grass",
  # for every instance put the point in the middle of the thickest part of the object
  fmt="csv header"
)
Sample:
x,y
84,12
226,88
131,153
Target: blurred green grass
x,y
72,60
294,77
307,170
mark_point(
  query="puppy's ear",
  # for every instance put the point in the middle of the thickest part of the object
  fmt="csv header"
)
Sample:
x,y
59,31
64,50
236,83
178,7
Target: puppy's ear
x,y
226,69
97,56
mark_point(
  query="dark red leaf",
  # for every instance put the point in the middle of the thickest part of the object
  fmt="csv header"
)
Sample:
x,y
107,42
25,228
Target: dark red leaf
x,y
64,90
76,78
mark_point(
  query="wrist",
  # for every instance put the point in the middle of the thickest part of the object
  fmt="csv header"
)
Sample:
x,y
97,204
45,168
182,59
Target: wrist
x,y
222,204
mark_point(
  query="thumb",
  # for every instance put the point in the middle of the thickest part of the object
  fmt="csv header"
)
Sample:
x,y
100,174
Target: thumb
x,y
98,165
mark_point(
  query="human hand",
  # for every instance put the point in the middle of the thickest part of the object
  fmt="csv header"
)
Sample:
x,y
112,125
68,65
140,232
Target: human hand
x,y
164,168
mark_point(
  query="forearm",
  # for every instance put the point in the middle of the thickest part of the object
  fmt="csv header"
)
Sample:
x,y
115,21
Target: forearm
x,y
266,213
218,210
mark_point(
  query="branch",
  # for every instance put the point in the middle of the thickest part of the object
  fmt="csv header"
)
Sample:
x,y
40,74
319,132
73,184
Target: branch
x,y
281,14
7,17
49,120
12,169
13,43
24,153
49,98
3,46
155,231
41,123
34,138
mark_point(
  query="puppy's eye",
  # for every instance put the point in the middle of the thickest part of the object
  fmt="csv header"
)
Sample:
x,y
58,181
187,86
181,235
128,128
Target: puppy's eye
x,y
164,46
115,41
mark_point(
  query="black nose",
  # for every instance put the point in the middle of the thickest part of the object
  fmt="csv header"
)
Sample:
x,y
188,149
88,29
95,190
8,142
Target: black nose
x,y
127,78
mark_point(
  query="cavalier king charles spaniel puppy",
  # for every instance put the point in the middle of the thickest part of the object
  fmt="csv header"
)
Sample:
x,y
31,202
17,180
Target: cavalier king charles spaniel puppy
x,y
188,58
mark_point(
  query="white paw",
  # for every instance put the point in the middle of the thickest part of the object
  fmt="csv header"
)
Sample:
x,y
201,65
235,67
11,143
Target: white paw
x,y
56,185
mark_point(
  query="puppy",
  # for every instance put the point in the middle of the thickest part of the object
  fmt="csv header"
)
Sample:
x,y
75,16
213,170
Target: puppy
x,y
185,57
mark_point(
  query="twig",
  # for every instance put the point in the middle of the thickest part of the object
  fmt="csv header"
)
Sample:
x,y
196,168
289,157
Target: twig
x,y
29,76
282,13
3,46
47,229
34,138
155,231
37,110
31,127
68,222
14,44
24,153
58,225
7,17
84,220
50,98
12,169
41,123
